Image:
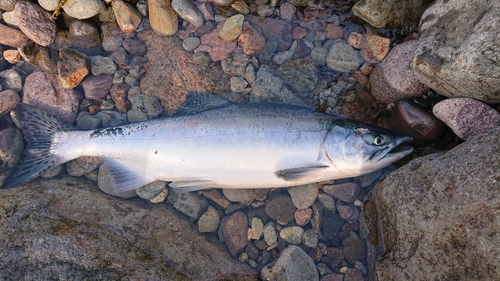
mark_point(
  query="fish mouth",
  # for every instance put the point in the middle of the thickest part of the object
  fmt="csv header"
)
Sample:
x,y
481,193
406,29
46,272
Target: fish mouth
x,y
395,152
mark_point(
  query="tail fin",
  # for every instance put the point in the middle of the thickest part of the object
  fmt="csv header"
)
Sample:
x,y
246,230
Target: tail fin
x,y
38,129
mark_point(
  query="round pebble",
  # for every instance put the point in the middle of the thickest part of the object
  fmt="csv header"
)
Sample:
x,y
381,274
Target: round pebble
x,y
191,43
209,221
303,216
292,235
151,190
270,233
310,238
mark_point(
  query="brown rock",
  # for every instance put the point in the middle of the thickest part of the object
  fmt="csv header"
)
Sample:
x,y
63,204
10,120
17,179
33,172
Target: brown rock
x,y
134,46
127,17
355,39
222,2
43,59
119,95
45,92
299,32
234,230
82,165
336,255
162,17
374,48
287,11
84,34
303,216
171,73
217,197
251,40
332,277
218,49
8,101
11,37
12,56
347,192
232,28
72,67
333,31
273,28
97,87
313,17
36,23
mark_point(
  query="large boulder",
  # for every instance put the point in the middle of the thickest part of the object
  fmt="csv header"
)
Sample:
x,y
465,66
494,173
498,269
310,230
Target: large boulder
x,y
440,215
65,228
458,53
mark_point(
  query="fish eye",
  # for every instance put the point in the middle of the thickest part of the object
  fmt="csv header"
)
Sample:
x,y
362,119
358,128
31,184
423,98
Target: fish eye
x,y
378,140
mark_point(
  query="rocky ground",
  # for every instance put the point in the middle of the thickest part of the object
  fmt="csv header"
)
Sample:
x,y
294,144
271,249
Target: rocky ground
x,y
103,64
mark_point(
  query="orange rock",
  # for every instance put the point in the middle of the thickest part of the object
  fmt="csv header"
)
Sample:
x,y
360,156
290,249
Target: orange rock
x,y
299,33
333,31
374,48
366,68
12,56
11,37
72,67
355,40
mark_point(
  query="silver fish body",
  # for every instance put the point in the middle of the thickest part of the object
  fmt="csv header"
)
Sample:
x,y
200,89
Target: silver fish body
x,y
226,145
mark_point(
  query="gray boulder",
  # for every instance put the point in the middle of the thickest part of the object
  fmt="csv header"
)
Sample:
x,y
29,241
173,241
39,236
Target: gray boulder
x,y
440,215
65,228
458,53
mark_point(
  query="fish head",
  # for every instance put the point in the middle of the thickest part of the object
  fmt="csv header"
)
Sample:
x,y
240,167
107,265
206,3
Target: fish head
x,y
355,148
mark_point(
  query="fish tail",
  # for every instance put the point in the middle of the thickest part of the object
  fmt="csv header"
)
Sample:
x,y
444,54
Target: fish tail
x,y
38,129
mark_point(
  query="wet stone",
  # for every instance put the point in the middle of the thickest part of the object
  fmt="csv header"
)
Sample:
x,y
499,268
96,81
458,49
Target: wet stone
x,y
323,269
11,37
303,216
102,65
11,146
353,274
310,238
333,31
336,256
327,201
251,40
209,221
287,11
151,190
347,192
120,56
300,74
318,55
215,196
88,122
52,172
293,264
84,34
333,277
280,208
219,49
191,43
332,226
105,181
343,58
72,67
136,47
234,230
355,251
257,228
97,87
279,30
11,80
374,48
127,17
82,165
188,11
188,203
12,56
252,251
355,39
238,84
292,235
162,17
8,101
303,196
270,233
83,9
119,95
35,23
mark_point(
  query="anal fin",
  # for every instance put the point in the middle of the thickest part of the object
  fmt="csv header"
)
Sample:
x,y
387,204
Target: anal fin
x,y
125,175
301,173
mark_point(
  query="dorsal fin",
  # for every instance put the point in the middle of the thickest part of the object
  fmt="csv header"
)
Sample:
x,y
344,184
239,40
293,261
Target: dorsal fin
x,y
198,101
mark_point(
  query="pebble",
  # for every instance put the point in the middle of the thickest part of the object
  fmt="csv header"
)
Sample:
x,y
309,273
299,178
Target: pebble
x,y
293,264
468,118
127,17
234,230
350,238
232,28
8,101
303,216
151,190
209,221
85,121
252,251
72,67
82,165
410,118
303,196
299,32
11,80
135,46
318,55
347,192
333,31
292,235
277,29
120,56
317,217
333,277
45,92
11,146
238,84
257,228
251,40
355,39
241,7
332,226
287,11
160,197
300,74
11,18
97,87
35,23
105,181
243,257
12,56
348,212
394,79
280,207
327,201
216,197
269,233
49,5
323,269
245,196
11,37
162,17
188,203
215,46
83,9
343,58
310,238
355,251
84,34
336,256
191,43
50,173
188,11
353,274
102,65
374,48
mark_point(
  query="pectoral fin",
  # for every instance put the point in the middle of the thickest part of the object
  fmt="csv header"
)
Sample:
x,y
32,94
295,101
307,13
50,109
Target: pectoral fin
x,y
302,173
192,185
124,175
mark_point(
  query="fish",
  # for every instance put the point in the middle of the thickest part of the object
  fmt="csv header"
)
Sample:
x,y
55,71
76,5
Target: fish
x,y
212,142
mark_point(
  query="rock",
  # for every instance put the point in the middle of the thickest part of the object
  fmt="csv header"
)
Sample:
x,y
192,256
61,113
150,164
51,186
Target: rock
x,y
300,74
327,201
45,92
222,2
171,72
49,5
299,33
374,48
188,203
105,182
11,80
72,67
12,56
287,11
8,101
88,122
391,14
273,28
241,6
468,118
11,147
245,196
422,125
269,233
191,43
280,208
127,17
50,173
333,31
97,87
353,274
355,39
319,54
303,196
11,37
310,239
151,190
332,226
120,56
470,70
188,11
348,212
134,46
347,192
162,17
36,23
238,84
8,5
303,216
209,221
293,264
217,48
102,65
336,255
448,213
333,277
83,9
313,18
355,251
216,197
84,35
57,223
394,78
82,165
232,28
343,58
257,228
234,230
292,235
